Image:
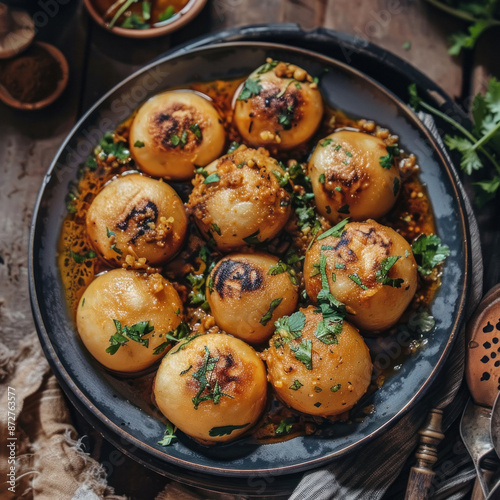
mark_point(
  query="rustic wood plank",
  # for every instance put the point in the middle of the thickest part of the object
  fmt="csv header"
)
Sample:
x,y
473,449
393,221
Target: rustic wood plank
x,y
392,23
28,143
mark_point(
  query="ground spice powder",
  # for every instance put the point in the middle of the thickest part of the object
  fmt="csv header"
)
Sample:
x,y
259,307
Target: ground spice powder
x,y
31,76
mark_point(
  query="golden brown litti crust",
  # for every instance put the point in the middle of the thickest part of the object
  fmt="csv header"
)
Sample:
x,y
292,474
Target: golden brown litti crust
x,y
312,376
348,177
247,293
139,217
212,387
239,201
370,268
131,299
279,107
175,131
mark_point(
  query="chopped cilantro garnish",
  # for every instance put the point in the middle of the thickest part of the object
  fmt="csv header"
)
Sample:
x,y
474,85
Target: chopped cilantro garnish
x,y
212,178
296,385
124,334
382,273
285,426
195,128
138,144
252,239
269,314
250,88
81,258
335,231
357,280
303,353
429,252
325,142
168,435
335,388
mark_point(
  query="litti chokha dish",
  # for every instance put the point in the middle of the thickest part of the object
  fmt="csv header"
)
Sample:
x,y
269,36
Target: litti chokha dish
x,y
279,107
212,387
123,318
175,132
370,268
315,374
247,293
238,201
353,175
139,217
253,238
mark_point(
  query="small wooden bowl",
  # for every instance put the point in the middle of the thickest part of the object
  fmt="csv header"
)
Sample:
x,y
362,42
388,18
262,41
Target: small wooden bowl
x,y
181,18
61,84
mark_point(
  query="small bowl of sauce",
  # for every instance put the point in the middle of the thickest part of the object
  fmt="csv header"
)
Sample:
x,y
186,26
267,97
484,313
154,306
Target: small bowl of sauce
x,y
143,18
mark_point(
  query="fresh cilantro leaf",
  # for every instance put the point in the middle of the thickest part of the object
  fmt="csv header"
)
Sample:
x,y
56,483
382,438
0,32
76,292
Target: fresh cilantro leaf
x,y
291,326
253,238
421,322
357,280
429,252
250,88
81,258
296,385
124,334
168,435
212,178
303,353
195,128
470,159
335,231
268,66
383,272
461,41
285,426
269,314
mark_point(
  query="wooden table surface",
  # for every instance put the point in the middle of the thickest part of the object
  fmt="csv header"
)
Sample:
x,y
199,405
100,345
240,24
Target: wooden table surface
x,y
98,60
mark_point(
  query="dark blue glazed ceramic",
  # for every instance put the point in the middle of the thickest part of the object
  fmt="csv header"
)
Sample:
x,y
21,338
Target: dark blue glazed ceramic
x,y
112,405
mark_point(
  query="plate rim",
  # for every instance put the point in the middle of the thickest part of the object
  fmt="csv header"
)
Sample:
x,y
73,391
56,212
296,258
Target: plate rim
x,y
81,399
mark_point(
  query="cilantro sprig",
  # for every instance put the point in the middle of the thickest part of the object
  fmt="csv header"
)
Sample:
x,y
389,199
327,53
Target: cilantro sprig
x,y
481,147
250,88
382,275
125,333
429,252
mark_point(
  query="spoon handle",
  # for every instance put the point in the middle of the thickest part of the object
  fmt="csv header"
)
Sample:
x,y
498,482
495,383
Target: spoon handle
x,y
421,474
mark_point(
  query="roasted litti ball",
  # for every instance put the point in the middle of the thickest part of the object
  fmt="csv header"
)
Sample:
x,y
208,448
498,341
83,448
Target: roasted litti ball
x,y
136,217
314,377
174,132
247,293
128,303
353,175
239,201
370,268
279,107
212,387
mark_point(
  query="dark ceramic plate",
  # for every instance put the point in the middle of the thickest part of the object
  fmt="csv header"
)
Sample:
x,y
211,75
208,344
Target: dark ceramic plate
x,y
110,403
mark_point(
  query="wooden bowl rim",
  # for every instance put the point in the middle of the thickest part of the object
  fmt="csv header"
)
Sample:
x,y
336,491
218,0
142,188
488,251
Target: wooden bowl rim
x,y
61,84
184,16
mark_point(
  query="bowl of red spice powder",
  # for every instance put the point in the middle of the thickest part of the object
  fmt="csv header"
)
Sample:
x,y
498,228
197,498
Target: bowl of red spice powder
x,y
34,78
